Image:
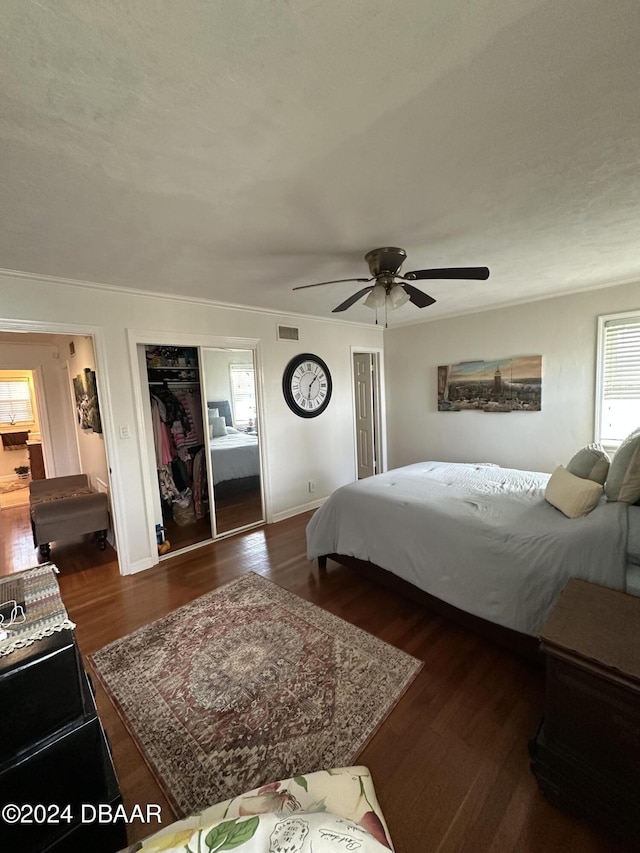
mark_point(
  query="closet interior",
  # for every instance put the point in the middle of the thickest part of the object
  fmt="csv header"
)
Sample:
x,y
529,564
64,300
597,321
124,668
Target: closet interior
x,y
175,393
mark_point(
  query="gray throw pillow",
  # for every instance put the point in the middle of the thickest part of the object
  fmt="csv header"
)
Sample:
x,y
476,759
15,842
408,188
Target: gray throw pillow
x,y
590,463
623,482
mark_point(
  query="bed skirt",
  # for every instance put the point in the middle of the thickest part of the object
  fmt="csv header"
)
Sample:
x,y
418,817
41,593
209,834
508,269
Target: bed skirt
x,y
523,645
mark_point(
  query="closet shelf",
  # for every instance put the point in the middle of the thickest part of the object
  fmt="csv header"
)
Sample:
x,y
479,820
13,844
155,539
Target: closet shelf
x,y
182,383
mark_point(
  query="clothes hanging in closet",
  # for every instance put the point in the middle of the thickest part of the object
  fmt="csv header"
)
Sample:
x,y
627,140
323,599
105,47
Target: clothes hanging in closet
x,y
178,436
161,434
168,490
174,410
188,432
200,494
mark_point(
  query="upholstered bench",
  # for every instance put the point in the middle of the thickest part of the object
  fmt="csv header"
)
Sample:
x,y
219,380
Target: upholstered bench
x,y
65,507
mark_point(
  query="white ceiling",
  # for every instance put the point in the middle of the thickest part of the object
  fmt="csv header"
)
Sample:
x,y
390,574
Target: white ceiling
x,y
232,149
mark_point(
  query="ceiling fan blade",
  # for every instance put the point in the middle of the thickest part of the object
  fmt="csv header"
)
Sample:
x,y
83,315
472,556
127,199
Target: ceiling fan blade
x,y
422,300
352,299
480,273
335,281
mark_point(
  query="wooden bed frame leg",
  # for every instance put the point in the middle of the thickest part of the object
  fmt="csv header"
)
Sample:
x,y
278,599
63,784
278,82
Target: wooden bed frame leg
x,y
322,565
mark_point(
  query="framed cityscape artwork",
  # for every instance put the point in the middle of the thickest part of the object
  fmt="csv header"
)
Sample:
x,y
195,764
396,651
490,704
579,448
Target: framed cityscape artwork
x,y
502,385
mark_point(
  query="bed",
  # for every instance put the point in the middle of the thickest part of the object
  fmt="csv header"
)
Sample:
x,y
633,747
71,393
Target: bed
x,y
480,538
234,456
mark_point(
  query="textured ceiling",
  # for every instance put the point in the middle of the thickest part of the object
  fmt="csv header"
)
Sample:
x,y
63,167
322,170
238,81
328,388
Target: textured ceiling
x,y
234,149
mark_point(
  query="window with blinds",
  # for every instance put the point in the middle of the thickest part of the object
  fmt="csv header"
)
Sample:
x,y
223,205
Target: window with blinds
x,y
243,394
15,401
618,393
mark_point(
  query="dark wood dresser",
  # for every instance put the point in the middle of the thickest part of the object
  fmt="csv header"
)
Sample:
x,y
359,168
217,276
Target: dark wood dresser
x,y
586,752
53,753
36,460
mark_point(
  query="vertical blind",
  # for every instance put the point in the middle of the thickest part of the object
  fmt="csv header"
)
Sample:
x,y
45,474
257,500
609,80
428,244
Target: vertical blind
x,y
620,400
15,401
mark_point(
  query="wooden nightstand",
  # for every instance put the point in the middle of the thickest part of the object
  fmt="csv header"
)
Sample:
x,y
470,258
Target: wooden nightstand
x,y
586,752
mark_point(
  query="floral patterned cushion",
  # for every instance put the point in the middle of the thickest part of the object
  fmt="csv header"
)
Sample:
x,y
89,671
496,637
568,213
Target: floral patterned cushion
x,y
326,811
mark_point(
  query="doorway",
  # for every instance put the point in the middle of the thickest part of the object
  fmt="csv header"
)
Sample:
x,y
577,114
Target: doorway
x,y
368,408
63,437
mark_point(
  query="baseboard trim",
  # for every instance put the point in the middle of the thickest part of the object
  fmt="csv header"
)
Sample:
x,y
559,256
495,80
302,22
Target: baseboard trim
x,y
139,566
297,510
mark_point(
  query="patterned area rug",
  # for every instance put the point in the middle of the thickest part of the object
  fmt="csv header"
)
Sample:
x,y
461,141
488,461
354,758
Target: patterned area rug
x,y
246,685
14,493
12,485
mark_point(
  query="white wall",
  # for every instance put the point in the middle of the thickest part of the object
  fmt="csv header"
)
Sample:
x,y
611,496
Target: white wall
x,y
297,450
93,457
562,330
27,353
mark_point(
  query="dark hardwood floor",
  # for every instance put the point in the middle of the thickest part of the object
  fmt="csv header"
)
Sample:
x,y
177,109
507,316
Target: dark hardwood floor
x,y
233,510
237,509
450,763
181,536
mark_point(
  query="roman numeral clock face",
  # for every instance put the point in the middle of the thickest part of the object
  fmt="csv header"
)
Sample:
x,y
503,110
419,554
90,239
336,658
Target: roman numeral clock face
x,y
307,385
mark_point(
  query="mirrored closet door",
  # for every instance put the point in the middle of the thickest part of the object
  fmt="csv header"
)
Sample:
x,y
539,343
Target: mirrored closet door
x,y
230,392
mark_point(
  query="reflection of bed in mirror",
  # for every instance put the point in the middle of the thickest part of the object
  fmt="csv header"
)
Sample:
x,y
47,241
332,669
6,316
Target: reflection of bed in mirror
x,y
233,447
234,456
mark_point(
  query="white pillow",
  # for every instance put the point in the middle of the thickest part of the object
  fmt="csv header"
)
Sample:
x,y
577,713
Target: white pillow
x,y
232,431
572,495
218,427
213,413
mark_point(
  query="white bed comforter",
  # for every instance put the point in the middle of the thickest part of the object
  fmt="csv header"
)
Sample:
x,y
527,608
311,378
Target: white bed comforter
x,y
479,537
234,456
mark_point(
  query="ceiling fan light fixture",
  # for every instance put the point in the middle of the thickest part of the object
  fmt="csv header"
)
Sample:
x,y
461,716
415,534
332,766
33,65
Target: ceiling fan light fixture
x,y
377,297
397,296
387,292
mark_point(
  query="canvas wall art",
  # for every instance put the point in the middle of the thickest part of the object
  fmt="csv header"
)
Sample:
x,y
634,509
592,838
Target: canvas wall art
x,y
87,405
511,384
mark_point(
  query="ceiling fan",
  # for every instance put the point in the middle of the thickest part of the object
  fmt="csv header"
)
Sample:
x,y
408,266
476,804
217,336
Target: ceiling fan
x,y
387,291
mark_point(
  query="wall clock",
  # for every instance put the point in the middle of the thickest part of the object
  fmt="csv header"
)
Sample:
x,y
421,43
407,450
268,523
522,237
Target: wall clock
x,y
307,385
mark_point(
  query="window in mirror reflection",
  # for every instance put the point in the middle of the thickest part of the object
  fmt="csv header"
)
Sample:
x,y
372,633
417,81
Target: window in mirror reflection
x,y
243,396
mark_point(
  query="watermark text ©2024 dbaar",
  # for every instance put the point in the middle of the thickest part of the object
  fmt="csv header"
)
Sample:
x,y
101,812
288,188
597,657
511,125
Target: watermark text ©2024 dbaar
x,y
104,813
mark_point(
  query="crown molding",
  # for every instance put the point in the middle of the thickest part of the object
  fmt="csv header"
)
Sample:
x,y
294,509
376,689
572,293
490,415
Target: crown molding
x,y
514,303
175,297
254,309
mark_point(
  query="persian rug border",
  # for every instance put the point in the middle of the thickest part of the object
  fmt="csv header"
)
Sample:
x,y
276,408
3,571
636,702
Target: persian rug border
x,y
310,612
